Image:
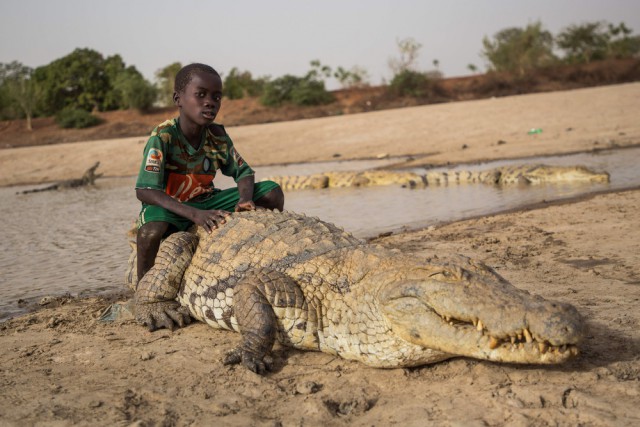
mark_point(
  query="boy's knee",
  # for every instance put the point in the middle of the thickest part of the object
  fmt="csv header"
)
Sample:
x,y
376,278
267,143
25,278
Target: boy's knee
x,y
151,233
274,199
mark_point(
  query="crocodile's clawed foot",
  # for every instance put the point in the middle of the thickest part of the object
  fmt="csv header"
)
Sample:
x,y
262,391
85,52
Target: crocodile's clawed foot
x,y
164,314
253,362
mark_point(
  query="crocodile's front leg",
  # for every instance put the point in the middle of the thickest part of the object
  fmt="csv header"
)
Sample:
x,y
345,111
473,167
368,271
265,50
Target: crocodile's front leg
x,y
155,298
256,298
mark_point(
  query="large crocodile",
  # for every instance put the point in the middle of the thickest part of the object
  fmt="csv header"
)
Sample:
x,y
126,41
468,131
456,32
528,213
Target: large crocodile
x,y
504,175
313,286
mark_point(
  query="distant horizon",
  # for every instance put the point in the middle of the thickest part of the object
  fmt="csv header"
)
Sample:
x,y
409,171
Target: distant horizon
x,y
284,36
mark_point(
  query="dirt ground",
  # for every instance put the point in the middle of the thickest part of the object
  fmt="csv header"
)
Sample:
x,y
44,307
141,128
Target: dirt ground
x,y
60,366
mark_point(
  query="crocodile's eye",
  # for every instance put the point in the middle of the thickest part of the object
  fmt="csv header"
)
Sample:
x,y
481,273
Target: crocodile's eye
x,y
444,274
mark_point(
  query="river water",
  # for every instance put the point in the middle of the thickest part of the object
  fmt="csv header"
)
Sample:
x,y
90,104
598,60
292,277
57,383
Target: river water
x,y
73,241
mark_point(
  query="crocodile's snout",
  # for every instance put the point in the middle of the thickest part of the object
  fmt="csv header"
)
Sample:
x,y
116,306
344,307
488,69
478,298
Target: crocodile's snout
x,y
482,316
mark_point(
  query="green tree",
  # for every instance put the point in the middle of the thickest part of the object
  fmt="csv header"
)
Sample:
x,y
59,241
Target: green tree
x,y
166,79
584,43
20,89
621,43
134,91
77,80
127,87
518,50
7,110
113,67
238,84
594,41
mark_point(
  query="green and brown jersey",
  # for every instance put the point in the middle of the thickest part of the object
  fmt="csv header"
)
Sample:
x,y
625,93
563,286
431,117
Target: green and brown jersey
x,y
172,165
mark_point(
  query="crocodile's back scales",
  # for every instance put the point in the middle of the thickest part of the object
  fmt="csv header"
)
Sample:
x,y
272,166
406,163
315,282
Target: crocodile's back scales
x,y
246,243
314,269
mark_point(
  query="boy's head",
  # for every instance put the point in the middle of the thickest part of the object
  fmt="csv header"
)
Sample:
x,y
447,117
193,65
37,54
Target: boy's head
x,y
186,73
198,94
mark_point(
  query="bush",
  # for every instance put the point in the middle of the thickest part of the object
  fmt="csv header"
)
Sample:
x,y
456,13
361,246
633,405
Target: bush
x,y
310,92
297,90
239,84
278,91
75,118
410,83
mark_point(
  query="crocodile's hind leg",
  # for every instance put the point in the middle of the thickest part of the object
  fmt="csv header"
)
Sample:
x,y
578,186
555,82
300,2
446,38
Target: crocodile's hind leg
x,y
265,302
155,298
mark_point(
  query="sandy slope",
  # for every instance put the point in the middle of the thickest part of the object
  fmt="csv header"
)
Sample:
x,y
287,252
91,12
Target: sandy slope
x,y
59,366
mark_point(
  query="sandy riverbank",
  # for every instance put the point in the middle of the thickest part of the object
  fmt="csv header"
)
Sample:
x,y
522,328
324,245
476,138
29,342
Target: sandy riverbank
x,y
60,367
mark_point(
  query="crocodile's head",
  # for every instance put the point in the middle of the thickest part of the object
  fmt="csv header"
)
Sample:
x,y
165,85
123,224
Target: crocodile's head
x,y
469,310
543,173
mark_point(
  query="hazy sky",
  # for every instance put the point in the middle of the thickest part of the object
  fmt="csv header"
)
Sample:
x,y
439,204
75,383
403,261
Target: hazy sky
x,y
280,37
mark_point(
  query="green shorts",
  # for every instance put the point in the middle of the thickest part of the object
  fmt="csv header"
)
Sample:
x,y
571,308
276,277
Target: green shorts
x,y
225,200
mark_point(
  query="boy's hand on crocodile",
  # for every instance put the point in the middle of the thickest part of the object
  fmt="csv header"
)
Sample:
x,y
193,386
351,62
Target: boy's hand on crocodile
x,y
245,206
210,220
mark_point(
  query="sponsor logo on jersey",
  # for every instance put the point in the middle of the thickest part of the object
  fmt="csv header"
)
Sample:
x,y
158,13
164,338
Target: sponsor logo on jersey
x,y
154,160
186,187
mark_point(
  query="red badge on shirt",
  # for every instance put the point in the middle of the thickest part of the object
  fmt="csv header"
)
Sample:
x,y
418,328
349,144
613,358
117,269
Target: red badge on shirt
x,y
154,160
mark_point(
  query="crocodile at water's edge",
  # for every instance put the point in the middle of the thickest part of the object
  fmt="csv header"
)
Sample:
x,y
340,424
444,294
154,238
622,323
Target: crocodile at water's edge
x,y
313,286
504,175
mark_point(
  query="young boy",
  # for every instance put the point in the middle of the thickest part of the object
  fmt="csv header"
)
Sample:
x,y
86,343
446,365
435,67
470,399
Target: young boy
x,y
175,183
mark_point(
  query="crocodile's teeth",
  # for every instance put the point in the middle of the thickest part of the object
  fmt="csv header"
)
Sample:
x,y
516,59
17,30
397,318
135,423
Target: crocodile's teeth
x,y
543,347
527,335
493,342
480,326
512,338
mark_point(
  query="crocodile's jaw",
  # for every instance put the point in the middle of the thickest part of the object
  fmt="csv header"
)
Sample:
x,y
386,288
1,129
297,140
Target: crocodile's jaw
x,y
510,327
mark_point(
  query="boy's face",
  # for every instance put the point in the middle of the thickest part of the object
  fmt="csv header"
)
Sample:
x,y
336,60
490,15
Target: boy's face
x,y
200,101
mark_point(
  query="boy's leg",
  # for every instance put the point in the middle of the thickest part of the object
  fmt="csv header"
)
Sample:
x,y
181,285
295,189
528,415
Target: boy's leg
x,y
266,194
148,241
154,224
274,199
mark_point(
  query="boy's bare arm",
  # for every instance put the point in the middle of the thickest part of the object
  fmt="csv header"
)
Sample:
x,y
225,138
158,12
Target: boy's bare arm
x,y
245,190
209,220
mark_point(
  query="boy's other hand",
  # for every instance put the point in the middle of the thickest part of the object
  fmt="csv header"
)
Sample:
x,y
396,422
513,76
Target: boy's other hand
x,y
210,220
245,206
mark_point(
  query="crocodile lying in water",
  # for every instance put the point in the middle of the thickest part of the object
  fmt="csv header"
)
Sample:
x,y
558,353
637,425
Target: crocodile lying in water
x,y
88,178
313,286
505,175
